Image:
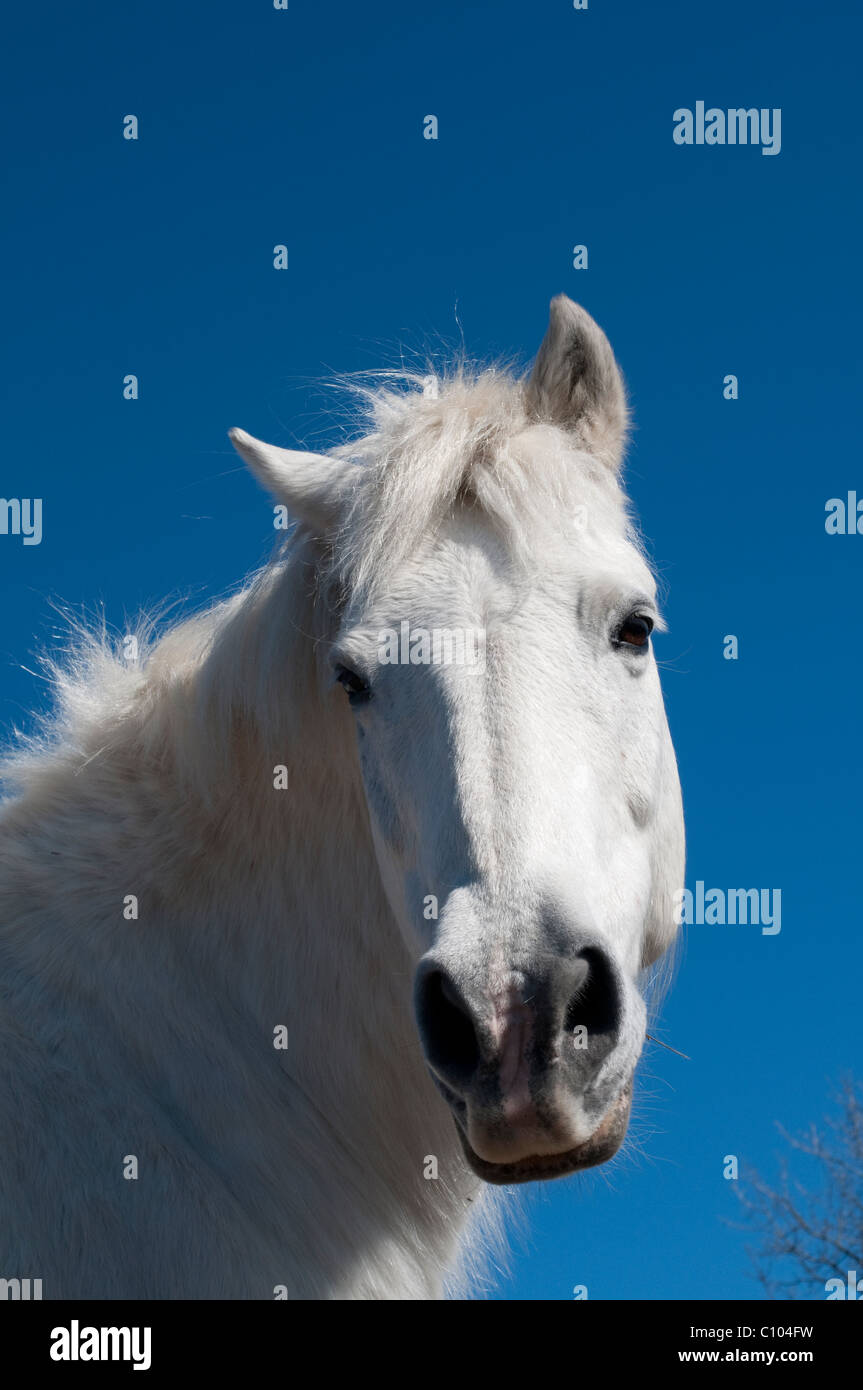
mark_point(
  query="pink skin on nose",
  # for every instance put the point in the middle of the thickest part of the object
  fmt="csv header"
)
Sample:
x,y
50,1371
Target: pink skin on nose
x,y
511,1027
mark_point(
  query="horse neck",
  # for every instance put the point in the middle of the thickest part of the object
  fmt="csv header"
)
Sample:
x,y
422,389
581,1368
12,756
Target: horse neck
x,y
309,941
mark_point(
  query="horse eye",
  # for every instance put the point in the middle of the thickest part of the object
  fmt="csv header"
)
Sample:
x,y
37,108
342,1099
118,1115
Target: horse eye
x,y
358,689
634,631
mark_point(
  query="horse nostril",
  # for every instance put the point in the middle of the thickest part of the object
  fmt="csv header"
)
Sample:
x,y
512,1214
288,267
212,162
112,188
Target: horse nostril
x,y
595,1005
447,1029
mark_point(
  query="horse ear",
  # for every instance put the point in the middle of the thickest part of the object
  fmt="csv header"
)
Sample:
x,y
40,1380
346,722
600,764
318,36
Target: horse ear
x,y
577,384
313,487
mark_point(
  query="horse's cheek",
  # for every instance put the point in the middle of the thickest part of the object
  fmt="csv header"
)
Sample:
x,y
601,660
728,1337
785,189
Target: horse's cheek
x,y
381,805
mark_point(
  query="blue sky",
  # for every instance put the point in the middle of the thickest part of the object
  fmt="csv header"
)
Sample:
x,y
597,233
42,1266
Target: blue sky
x,y
304,127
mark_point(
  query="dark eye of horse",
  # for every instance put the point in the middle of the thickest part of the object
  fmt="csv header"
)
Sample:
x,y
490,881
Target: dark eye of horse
x,y
634,631
358,689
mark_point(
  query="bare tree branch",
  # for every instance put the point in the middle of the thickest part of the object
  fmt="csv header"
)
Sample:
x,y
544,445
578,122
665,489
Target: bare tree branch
x,y
809,1234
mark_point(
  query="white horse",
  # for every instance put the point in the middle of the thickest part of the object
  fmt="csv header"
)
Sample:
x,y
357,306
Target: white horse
x,y
317,919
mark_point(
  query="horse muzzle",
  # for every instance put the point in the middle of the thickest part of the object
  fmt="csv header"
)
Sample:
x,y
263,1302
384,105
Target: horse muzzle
x,y
536,1065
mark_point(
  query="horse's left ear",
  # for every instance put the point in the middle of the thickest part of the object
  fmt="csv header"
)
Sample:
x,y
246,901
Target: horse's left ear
x,y
576,383
313,487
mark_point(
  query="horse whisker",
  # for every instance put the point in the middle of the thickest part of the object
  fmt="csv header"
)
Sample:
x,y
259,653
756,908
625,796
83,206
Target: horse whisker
x,y
667,1046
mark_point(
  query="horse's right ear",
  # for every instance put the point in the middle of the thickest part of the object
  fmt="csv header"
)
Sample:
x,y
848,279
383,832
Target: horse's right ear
x,y
313,487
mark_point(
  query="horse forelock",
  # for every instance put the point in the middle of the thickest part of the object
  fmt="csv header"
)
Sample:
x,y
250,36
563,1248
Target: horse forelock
x,y
463,439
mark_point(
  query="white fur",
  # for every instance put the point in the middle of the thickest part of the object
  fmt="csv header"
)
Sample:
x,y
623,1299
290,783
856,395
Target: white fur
x,y
259,1167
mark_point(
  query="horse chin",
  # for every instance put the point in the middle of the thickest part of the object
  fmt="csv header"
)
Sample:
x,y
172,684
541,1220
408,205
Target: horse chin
x,y
602,1145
